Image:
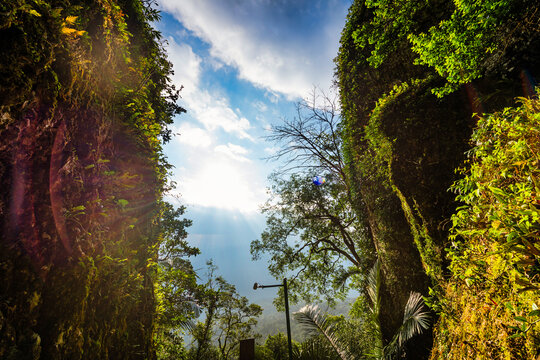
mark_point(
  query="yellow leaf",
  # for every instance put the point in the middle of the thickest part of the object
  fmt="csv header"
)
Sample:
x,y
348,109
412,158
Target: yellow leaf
x,y
71,20
67,31
34,300
495,224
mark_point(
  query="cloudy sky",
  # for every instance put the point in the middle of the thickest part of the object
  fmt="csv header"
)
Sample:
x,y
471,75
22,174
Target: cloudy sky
x,y
242,65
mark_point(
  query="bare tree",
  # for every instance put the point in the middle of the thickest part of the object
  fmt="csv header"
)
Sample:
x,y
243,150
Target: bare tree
x,y
312,140
313,231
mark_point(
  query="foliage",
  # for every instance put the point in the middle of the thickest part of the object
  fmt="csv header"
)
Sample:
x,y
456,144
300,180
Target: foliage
x,y
415,318
390,22
460,41
500,188
314,348
176,287
474,38
315,321
85,104
312,230
229,318
236,319
373,289
170,346
489,308
415,321
277,346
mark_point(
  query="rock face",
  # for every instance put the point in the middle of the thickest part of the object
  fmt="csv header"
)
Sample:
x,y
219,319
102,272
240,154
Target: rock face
x,y
403,145
66,234
80,178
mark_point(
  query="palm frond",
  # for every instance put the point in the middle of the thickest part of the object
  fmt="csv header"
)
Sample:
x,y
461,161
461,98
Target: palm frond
x,y
416,319
187,323
342,278
315,321
315,348
374,287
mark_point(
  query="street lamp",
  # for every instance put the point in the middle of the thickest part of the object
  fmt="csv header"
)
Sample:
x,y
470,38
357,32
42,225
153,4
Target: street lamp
x,y
257,286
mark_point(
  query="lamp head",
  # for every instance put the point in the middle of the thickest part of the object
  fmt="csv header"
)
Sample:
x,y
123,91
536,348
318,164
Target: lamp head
x,y
255,286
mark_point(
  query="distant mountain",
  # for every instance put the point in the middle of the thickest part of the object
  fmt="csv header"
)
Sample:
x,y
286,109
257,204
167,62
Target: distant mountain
x,y
272,322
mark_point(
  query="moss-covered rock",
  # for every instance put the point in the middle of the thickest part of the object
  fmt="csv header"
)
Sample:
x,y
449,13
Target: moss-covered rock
x,y
84,107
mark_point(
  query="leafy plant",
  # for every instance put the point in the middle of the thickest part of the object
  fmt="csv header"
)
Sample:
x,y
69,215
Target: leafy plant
x,y
491,298
315,322
416,319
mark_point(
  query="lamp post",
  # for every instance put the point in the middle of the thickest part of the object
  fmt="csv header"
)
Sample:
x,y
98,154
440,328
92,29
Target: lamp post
x,y
258,286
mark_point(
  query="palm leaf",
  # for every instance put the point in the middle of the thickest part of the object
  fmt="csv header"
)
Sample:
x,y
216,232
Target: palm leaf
x,y
315,321
186,323
374,288
315,348
342,278
415,321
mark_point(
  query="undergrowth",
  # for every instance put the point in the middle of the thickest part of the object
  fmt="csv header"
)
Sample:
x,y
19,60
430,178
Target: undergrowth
x,y
490,304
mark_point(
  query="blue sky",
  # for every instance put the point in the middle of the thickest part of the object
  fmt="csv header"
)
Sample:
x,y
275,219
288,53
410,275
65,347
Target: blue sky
x,y
243,65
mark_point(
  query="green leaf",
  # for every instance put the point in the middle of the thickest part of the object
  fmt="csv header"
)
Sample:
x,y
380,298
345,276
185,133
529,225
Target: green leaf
x,y
122,202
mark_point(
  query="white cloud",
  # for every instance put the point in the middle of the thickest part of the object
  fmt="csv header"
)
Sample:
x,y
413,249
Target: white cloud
x,y
271,150
235,152
214,112
186,66
192,136
272,96
242,35
211,110
215,64
260,106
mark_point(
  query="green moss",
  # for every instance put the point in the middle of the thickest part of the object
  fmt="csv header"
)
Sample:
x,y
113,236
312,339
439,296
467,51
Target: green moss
x,y
86,101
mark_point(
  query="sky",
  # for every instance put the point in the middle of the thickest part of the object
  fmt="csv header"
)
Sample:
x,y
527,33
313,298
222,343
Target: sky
x,y
243,65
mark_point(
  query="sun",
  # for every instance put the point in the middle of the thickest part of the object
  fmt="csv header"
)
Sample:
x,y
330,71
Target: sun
x,y
222,183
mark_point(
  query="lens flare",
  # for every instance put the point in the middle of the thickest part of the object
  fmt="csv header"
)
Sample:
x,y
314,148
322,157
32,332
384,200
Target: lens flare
x,y
528,84
319,180
80,183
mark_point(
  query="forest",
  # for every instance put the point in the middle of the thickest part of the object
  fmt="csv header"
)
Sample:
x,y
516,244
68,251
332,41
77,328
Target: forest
x,y
429,208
